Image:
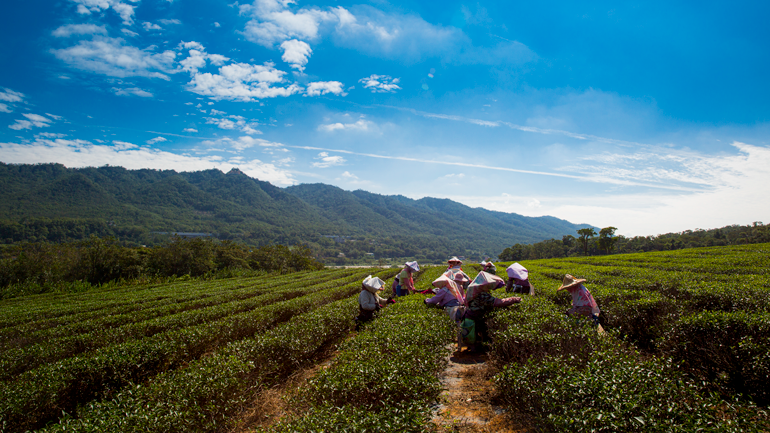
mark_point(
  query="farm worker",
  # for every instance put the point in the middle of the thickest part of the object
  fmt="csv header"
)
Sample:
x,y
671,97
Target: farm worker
x,y
454,267
454,263
368,300
583,303
489,267
405,282
479,301
449,293
518,280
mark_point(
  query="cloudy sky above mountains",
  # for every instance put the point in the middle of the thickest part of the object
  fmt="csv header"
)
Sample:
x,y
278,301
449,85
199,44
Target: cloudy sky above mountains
x,y
652,117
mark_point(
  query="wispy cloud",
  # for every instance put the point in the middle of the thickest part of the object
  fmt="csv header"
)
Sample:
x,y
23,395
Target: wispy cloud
x,y
360,125
156,140
112,57
132,91
8,95
79,29
234,122
532,129
32,121
733,194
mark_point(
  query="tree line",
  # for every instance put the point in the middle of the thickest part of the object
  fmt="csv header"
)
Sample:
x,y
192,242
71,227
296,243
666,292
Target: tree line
x,y
39,267
589,242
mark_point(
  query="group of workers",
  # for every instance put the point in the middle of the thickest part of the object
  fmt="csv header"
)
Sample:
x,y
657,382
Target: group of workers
x,y
468,301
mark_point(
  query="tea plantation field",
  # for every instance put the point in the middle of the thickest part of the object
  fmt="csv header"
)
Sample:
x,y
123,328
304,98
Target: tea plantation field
x,y
686,349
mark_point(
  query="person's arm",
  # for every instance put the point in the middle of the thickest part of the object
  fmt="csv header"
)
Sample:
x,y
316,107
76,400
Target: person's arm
x,y
437,298
507,301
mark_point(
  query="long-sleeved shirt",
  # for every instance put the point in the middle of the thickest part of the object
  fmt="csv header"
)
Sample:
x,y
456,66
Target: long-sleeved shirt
x,y
581,297
443,298
369,301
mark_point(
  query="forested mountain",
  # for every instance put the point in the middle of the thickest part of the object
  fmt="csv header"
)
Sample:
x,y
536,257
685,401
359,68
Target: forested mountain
x,y
49,202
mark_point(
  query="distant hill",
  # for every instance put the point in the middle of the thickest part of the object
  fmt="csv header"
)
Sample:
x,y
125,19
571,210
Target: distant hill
x,y
55,203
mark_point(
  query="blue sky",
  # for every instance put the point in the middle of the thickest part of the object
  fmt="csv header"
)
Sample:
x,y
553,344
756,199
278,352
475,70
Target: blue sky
x,y
651,117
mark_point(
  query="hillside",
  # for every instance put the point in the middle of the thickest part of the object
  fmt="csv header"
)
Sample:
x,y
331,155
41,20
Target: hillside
x,y
49,202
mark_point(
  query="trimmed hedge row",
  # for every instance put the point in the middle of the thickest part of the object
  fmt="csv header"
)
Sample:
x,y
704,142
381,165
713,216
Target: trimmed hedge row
x,y
571,379
205,394
384,379
728,349
39,395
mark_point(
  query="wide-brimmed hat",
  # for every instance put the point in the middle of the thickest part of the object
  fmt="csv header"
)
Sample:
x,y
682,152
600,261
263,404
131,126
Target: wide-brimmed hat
x,y
454,259
413,266
373,284
570,281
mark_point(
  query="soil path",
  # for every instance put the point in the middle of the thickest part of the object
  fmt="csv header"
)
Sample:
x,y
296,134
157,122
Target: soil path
x,y
270,405
466,402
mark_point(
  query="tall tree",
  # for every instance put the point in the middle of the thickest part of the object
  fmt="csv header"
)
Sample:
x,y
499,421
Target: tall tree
x,y
607,240
585,235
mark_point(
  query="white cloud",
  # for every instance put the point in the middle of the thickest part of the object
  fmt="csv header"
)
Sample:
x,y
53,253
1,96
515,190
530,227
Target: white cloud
x,y
349,175
49,135
380,83
215,112
328,161
296,53
132,91
151,26
156,140
735,193
129,33
109,56
33,120
318,88
169,22
284,161
272,23
242,82
190,130
360,125
81,153
9,95
4,108
216,24
126,11
79,29
234,122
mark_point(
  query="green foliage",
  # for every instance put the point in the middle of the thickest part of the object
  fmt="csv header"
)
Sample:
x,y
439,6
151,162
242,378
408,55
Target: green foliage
x,y
38,395
615,390
567,247
386,376
728,349
41,267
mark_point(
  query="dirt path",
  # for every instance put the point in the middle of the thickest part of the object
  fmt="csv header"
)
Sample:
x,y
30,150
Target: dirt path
x,y
466,402
269,405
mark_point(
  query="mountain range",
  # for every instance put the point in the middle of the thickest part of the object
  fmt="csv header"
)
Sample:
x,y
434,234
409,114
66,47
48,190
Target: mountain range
x,y
50,202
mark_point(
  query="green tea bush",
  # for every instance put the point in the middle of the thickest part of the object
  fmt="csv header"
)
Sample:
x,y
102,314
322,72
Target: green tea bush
x,y
536,329
206,394
384,379
40,395
730,350
615,390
